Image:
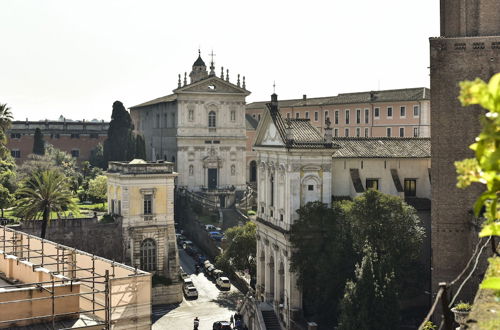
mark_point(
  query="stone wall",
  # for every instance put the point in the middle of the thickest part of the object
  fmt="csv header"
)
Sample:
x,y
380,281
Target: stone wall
x,y
86,234
167,294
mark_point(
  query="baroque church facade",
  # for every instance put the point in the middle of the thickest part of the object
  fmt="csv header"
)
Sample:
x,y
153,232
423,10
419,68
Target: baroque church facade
x,y
201,128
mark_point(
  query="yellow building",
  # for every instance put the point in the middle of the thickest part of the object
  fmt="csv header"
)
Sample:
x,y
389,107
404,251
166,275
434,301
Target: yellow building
x,y
142,194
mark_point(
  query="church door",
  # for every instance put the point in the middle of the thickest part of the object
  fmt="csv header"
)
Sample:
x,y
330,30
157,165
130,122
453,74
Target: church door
x,y
212,178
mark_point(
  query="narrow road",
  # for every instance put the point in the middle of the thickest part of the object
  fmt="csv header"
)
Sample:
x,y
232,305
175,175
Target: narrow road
x,y
212,304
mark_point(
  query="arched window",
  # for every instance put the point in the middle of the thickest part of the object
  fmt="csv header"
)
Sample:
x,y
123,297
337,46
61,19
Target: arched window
x,y
191,170
211,119
148,255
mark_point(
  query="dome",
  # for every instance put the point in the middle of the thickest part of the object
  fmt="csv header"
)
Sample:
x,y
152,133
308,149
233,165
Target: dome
x,y
199,62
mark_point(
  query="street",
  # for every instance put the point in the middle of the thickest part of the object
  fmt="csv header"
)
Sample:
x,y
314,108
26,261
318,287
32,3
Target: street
x,y
212,304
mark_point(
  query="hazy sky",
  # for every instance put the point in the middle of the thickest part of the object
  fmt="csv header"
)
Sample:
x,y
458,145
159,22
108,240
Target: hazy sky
x,y
76,57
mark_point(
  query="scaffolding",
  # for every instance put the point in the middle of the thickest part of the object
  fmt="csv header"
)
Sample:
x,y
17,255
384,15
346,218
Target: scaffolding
x,y
64,283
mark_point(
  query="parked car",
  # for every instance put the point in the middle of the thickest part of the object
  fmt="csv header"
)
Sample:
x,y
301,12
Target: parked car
x,y
210,269
184,275
217,273
191,291
186,244
216,235
223,283
221,325
210,228
188,282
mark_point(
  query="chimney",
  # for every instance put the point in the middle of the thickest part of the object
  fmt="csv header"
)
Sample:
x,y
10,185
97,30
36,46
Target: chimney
x,y
304,97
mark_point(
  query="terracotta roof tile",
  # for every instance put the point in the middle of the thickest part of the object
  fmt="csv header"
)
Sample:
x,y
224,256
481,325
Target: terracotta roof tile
x,y
383,148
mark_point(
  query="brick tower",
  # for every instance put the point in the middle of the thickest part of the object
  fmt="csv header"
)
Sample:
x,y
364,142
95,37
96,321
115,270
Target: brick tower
x,y
469,47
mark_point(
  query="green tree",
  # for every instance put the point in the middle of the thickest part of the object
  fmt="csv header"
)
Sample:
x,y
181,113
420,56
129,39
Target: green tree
x,y
240,248
5,121
323,259
370,301
6,198
98,188
43,193
120,144
97,157
38,143
8,173
392,228
140,147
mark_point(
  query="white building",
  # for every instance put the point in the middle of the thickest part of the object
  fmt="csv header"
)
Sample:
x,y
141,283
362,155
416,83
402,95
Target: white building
x,y
202,128
297,165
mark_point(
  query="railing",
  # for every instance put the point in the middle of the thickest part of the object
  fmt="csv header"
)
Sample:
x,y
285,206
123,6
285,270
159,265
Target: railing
x,y
447,322
199,199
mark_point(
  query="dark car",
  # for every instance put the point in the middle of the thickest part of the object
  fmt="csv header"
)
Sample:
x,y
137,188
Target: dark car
x,y
221,325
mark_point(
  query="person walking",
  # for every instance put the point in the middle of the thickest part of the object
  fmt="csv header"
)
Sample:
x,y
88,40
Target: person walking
x,y
231,320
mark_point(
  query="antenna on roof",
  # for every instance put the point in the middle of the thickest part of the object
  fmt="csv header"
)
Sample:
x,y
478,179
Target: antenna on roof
x,y
274,86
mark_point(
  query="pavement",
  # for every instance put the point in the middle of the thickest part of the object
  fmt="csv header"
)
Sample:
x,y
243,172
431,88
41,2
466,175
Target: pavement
x,y
212,304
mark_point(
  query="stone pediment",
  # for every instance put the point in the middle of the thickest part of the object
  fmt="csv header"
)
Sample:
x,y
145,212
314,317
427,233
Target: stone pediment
x,y
272,136
212,85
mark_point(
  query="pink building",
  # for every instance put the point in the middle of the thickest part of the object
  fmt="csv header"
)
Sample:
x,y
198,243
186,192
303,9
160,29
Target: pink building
x,y
388,113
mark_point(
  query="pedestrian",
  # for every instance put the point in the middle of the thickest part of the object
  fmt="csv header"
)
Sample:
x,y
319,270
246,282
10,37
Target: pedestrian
x,y
232,319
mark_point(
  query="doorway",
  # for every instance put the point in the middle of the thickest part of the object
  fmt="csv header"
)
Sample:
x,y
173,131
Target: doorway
x,y
212,178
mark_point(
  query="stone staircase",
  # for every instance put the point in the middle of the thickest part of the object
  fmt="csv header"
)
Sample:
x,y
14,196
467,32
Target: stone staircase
x,y
271,321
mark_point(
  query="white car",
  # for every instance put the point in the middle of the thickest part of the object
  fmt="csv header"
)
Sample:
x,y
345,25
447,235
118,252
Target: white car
x,y
223,283
191,292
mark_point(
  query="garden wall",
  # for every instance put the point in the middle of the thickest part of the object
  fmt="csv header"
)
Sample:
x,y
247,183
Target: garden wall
x,y
86,234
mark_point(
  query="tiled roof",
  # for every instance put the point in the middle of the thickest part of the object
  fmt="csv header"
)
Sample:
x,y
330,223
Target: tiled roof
x,y
304,135
163,99
383,148
251,122
393,95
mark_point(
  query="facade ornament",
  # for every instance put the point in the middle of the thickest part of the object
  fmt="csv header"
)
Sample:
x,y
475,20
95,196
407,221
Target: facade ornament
x,y
238,81
257,236
222,73
244,84
185,78
266,241
276,247
179,82
227,75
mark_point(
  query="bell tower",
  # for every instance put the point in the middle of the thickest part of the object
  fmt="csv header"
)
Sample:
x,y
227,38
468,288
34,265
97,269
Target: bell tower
x,y
199,70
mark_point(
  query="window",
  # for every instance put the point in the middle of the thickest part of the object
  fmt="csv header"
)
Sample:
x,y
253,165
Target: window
x,y
233,170
297,115
281,217
366,131
211,119
347,117
15,135
16,153
307,114
316,115
173,120
216,142
148,255
376,112
310,187
415,132
326,114
258,117
346,132
372,184
272,191
75,153
401,132
191,115
94,135
389,112
358,116
148,204
416,111
410,187
367,116
233,115
389,132
358,132
165,120
336,132
288,115
191,170
402,112
75,136
336,117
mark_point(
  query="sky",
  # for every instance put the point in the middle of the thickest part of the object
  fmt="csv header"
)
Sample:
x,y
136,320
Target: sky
x,y
75,58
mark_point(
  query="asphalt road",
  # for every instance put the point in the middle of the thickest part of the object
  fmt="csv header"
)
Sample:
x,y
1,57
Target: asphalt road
x,y
212,304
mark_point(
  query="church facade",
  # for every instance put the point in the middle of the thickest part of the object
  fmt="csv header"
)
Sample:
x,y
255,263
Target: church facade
x,y
201,127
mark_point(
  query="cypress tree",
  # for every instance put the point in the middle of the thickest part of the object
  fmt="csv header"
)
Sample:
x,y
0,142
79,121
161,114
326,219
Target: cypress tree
x,y
119,145
140,147
38,143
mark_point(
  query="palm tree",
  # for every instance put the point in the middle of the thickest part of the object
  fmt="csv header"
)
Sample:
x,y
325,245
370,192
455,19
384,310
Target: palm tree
x,y
5,117
43,193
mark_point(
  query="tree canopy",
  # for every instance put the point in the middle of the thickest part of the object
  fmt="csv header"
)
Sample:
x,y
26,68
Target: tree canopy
x,y
98,188
38,143
240,248
120,144
5,122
